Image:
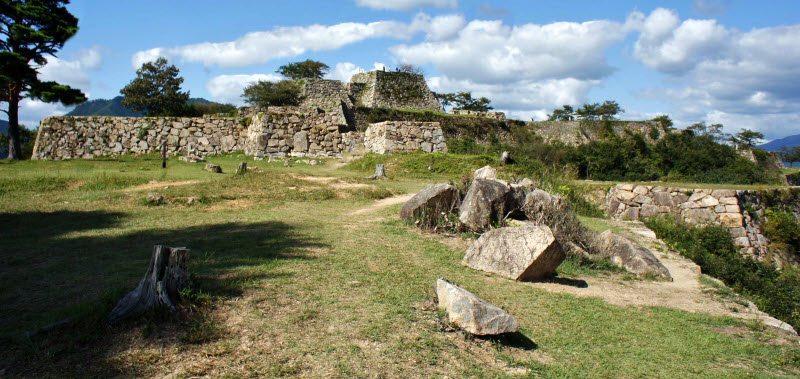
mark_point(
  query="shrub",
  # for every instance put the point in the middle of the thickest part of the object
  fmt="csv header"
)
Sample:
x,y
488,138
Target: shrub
x,y
264,93
775,292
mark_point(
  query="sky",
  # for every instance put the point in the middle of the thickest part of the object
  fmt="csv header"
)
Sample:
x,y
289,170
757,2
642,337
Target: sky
x,y
732,62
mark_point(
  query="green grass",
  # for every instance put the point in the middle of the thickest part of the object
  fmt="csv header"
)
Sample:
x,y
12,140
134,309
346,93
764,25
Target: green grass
x,y
287,281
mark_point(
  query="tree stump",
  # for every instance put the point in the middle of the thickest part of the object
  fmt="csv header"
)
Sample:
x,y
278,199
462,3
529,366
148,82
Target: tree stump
x,y
505,158
242,169
380,172
166,275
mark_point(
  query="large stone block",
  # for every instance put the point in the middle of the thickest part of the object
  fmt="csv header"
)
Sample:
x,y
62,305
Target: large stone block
x,y
528,252
484,203
471,313
633,258
431,205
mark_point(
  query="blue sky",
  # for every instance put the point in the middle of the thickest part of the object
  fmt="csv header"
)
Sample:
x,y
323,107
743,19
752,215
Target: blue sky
x,y
719,61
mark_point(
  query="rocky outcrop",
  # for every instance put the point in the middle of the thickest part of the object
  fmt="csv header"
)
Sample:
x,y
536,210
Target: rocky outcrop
x,y
430,205
484,203
404,136
471,313
525,253
626,254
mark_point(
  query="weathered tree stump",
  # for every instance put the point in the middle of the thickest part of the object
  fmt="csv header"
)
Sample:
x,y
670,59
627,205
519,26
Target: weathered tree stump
x,y
380,172
242,169
166,275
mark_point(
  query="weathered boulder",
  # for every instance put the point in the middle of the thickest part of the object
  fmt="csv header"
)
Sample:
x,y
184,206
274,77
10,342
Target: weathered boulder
x,y
215,168
471,313
154,198
528,252
484,202
485,172
626,254
430,205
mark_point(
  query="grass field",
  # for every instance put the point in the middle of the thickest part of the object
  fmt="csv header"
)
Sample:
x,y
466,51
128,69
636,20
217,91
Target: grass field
x,y
295,275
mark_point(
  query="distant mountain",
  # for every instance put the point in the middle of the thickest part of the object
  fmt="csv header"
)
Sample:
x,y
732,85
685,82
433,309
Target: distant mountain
x,y
113,107
779,144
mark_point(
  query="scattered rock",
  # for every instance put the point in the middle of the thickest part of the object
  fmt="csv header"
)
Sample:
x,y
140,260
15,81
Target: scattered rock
x,y
192,200
485,172
215,168
528,252
484,202
471,313
429,206
505,158
191,158
154,198
633,258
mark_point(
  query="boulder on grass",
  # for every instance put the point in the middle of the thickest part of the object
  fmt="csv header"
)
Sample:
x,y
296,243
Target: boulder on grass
x,y
429,206
630,256
528,252
484,202
215,168
485,172
471,313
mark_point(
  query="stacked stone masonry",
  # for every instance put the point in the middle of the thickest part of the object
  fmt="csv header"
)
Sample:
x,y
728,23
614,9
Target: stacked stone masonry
x,y
404,136
737,210
389,89
500,116
295,131
95,136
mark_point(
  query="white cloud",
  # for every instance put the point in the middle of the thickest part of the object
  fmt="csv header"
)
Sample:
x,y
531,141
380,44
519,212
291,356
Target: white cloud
x,y
492,52
229,88
378,66
742,79
667,45
260,47
526,70
75,72
404,5
344,71
440,27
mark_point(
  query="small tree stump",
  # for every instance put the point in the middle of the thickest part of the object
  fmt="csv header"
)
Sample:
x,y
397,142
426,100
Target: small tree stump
x,y
166,275
242,169
380,172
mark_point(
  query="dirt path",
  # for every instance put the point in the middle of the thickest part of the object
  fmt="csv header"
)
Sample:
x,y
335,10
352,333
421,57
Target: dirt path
x,y
159,185
382,203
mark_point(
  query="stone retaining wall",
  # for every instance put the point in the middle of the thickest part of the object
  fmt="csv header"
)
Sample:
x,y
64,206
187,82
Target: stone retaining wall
x,y
737,210
94,136
493,115
404,136
389,89
294,131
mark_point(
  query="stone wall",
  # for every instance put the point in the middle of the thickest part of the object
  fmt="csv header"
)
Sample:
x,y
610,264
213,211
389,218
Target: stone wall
x,y
404,136
580,132
493,115
295,131
95,136
741,211
389,89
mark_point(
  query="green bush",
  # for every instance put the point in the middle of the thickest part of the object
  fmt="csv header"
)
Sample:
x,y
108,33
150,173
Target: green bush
x,y
264,93
775,292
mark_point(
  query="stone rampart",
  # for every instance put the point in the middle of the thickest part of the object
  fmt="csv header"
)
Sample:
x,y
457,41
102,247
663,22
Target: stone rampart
x,y
740,211
295,131
489,114
580,132
390,89
404,136
95,136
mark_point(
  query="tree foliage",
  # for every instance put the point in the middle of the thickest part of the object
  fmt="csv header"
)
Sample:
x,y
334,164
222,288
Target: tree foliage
x,y
464,101
664,121
156,90
747,138
566,113
305,69
264,93
30,31
410,69
608,110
